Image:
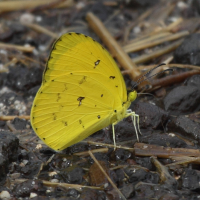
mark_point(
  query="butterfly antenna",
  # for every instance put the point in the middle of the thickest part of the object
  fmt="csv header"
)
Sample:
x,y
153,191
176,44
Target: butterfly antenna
x,y
147,94
140,81
150,77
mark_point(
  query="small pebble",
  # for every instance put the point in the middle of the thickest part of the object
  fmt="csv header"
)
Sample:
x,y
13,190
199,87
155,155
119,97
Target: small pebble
x,y
26,18
33,195
54,180
5,195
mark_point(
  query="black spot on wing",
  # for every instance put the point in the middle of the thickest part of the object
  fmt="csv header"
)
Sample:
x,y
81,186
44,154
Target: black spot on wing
x,y
96,63
80,100
112,77
65,123
83,80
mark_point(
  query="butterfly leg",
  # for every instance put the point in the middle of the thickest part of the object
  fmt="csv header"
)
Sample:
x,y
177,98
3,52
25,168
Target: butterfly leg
x,y
135,119
138,123
113,129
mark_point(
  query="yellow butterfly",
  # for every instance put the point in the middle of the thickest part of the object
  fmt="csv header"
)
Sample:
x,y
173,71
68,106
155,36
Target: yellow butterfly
x,y
82,92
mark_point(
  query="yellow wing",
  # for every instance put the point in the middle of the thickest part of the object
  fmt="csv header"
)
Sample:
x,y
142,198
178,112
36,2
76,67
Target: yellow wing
x,y
81,88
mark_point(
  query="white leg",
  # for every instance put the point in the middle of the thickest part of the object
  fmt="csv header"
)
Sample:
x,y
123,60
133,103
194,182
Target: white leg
x,y
134,118
138,123
113,129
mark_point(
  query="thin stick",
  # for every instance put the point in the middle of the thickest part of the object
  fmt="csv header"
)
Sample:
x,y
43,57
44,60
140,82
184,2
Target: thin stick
x,y
133,47
116,50
108,145
167,49
41,29
172,79
109,179
64,185
183,66
7,6
85,153
174,24
6,118
142,40
17,47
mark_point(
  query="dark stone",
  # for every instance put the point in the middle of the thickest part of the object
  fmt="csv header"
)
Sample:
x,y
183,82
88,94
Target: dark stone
x,y
62,161
164,139
6,35
141,3
144,190
151,191
2,124
120,177
150,115
31,169
19,124
185,127
190,180
76,148
193,81
122,154
188,52
24,189
73,175
9,143
89,194
183,100
152,177
3,169
3,77
135,175
128,190
145,162
196,6
21,78
73,193
169,197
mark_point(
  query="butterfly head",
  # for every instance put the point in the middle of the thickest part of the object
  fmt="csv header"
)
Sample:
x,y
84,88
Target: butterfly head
x,y
132,95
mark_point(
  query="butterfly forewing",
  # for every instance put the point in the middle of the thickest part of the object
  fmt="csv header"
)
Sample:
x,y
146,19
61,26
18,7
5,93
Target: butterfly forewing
x,y
81,87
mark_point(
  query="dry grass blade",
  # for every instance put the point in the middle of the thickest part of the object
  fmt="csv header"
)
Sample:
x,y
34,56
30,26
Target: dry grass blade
x,y
109,179
150,56
150,42
5,118
64,185
7,6
108,145
142,149
85,153
28,49
41,29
